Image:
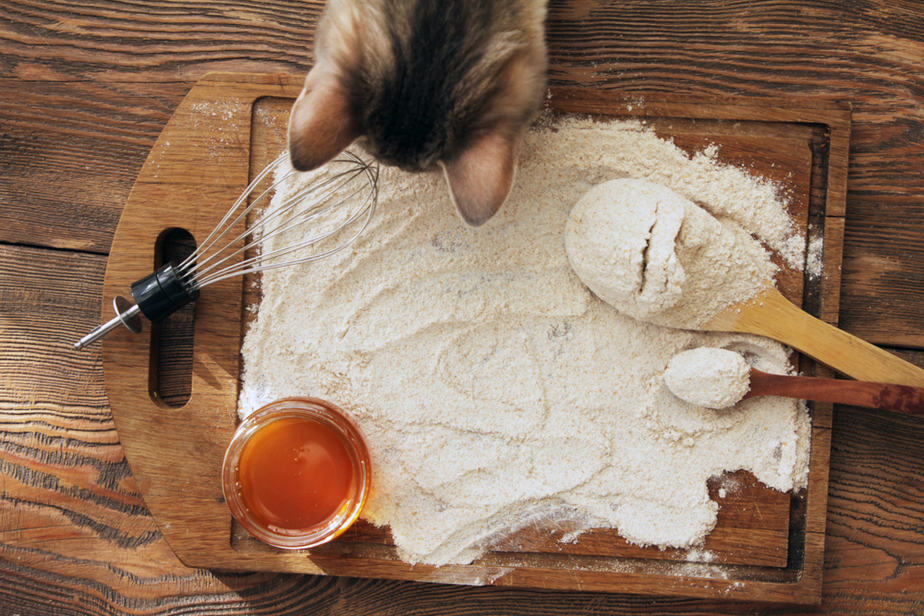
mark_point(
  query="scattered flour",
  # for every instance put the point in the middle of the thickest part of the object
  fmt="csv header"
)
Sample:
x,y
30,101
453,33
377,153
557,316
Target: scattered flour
x,y
494,389
698,555
709,377
814,258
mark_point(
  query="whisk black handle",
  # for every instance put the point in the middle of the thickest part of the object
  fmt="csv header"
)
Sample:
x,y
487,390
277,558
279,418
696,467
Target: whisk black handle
x,y
162,293
156,296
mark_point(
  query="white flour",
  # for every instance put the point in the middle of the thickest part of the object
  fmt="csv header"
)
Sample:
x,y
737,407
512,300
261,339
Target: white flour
x,y
494,389
814,257
709,377
658,257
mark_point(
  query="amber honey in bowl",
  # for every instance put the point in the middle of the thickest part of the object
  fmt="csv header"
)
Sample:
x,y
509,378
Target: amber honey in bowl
x,y
296,473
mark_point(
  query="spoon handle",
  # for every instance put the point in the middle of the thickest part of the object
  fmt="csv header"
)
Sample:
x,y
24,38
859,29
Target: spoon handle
x,y
885,396
772,315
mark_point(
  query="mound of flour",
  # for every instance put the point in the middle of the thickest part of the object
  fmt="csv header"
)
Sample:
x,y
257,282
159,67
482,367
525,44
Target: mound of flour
x,y
658,257
494,389
709,377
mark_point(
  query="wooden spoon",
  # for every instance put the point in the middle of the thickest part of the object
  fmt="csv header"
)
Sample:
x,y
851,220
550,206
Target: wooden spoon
x,y
772,315
885,396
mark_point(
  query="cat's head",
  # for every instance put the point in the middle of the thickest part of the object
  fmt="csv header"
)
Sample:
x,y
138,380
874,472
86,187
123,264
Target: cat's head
x,y
426,83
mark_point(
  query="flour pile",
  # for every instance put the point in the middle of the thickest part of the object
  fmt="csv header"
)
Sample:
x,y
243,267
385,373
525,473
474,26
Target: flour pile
x,y
709,377
494,389
658,257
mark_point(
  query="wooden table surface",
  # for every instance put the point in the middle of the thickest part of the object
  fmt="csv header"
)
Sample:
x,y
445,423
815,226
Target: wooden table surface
x,y
87,87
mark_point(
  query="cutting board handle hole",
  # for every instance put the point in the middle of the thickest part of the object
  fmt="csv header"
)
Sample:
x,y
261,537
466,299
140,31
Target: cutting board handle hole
x,y
171,362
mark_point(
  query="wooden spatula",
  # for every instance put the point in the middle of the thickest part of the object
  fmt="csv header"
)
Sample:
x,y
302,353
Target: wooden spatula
x,y
772,315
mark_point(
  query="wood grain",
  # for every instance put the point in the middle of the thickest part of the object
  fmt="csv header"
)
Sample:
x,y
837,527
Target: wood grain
x,y
69,154
63,55
771,314
67,495
898,398
61,554
87,87
108,41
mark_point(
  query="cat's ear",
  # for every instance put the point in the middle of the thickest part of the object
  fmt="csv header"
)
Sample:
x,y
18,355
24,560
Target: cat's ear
x,y
320,125
481,176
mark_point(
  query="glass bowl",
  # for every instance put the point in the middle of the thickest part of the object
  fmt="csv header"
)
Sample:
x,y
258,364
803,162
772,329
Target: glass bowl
x,y
296,473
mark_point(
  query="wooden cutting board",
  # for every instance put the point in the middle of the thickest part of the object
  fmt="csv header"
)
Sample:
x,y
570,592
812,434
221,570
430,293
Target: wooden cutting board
x,y
766,546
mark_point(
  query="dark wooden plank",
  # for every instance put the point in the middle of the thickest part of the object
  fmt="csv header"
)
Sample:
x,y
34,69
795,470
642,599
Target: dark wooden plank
x,y
112,41
883,291
862,52
75,537
69,154
876,510
74,530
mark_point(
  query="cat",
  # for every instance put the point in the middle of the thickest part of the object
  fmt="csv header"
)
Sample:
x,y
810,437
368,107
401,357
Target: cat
x,y
426,84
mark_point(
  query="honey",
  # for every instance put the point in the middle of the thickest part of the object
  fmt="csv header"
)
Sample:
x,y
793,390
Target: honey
x,y
296,473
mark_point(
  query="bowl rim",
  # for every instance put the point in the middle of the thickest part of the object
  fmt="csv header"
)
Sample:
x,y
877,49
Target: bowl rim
x,y
323,412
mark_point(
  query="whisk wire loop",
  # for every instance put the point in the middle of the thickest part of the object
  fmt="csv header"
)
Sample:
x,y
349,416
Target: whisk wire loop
x,y
339,205
307,205
221,228
266,259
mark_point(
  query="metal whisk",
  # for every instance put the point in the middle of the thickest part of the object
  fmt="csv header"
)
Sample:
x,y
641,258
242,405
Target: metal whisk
x,y
340,203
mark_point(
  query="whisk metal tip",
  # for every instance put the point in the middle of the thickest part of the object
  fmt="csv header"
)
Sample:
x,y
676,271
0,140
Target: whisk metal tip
x,y
127,315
